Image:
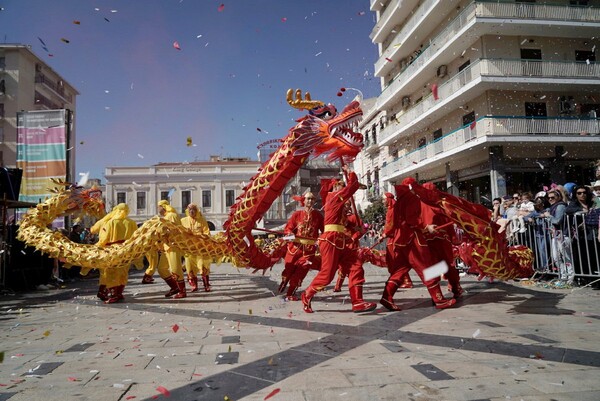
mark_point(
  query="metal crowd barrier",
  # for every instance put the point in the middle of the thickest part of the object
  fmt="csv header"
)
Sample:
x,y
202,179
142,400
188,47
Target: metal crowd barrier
x,y
580,240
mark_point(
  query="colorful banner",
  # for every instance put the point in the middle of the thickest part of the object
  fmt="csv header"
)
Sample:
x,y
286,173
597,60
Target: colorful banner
x,y
41,152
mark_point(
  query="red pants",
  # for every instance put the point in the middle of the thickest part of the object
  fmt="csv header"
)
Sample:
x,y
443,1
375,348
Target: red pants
x,y
336,252
298,261
401,259
442,250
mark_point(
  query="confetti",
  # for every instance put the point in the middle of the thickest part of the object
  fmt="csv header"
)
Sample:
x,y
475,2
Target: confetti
x,y
318,54
360,14
163,391
130,397
284,19
473,125
189,141
389,60
46,333
272,393
65,40
1,356
435,271
77,22
73,379
140,156
476,333
221,8
176,45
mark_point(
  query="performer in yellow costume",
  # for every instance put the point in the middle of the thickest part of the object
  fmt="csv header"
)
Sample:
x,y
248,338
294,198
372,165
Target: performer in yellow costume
x,y
196,223
169,262
116,230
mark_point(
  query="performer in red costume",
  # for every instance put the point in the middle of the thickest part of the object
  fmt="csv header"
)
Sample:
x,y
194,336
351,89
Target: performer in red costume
x,y
337,249
306,225
390,232
442,228
408,247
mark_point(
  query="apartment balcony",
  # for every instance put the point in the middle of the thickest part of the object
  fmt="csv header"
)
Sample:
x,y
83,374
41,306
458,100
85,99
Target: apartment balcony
x,y
371,147
491,74
496,130
375,5
55,88
476,20
396,10
426,17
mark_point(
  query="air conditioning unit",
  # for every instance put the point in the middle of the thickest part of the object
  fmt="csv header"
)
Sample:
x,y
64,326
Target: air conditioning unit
x,y
405,102
442,71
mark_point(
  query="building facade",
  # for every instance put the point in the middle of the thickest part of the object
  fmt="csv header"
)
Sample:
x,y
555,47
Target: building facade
x,y
213,185
485,98
27,83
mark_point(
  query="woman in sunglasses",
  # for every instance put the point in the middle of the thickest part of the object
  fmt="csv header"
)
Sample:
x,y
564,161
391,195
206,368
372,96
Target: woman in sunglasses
x,y
559,239
584,219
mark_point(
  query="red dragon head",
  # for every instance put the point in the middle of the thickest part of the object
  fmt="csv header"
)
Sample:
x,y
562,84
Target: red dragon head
x,y
324,130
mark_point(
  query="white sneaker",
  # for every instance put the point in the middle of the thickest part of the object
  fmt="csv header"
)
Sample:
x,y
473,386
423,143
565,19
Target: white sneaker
x,y
42,287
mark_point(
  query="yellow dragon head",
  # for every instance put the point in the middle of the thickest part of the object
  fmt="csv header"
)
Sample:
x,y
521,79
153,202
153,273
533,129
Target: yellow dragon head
x,y
324,130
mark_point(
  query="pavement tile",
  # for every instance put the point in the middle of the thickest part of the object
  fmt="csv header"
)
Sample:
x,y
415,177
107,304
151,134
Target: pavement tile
x,y
503,340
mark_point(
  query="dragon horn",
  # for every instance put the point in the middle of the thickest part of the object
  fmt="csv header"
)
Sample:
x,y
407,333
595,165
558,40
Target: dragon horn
x,y
303,104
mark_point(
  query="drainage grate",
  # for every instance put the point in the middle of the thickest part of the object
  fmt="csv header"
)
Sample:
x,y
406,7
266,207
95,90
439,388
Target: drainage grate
x,y
432,372
226,358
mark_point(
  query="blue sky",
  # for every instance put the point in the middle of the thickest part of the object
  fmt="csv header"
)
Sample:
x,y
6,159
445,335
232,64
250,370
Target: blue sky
x,y
140,97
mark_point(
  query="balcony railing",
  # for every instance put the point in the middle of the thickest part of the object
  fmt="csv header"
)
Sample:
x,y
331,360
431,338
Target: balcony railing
x,y
509,11
487,68
405,31
495,126
58,89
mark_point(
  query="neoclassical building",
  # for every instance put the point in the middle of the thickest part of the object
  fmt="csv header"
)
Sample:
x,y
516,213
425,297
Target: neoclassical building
x,y
213,185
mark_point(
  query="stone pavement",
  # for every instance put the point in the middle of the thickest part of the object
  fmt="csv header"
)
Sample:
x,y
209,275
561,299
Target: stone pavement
x,y
243,342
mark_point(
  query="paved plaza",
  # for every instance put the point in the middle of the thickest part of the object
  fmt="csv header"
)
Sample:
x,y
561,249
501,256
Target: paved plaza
x,y
504,341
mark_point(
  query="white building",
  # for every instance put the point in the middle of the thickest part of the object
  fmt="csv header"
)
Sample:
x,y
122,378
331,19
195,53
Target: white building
x,y
485,98
213,185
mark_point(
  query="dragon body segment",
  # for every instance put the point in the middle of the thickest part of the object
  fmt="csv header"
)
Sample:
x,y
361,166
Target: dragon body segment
x,y
322,131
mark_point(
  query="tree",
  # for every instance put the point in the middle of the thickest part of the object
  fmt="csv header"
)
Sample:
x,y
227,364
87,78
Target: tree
x,y
374,215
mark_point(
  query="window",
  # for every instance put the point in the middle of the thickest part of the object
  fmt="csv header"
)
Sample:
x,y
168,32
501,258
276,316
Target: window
x,y
141,201
229,197
206,198
422,143
186,199
121,198
2,63
585,56
437,144
1,110
468,118
164,195
1,134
